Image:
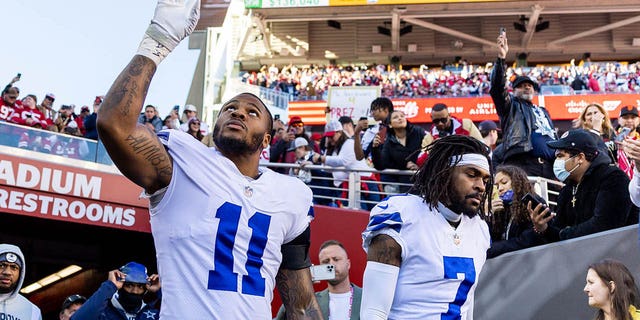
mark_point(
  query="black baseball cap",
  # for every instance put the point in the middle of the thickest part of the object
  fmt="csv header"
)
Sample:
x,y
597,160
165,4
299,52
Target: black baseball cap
x,y
73,299
524,79
577,140
629,110
487,125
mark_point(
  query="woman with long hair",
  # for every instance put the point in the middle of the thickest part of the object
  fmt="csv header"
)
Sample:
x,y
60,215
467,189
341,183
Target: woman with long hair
x,y
596,119
510,225
612,290
194,128
399,150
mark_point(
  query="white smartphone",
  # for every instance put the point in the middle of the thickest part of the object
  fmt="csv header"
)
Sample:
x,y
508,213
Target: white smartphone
x,y
323,272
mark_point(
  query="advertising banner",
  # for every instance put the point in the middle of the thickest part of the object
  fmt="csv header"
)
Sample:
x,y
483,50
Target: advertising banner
x,y
52,191
418,110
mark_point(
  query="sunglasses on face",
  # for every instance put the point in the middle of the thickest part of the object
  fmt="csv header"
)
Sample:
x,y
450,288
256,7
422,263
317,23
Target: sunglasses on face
x,y
196,123
439,120
298,125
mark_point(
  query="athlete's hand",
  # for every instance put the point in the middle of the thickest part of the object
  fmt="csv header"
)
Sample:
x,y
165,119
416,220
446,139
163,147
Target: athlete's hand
x,y
173,21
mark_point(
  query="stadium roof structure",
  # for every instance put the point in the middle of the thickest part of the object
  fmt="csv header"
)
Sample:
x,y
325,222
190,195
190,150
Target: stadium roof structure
x,y
431,31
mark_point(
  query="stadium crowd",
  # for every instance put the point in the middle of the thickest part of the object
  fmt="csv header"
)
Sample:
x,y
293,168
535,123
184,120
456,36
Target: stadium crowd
x,y
459,79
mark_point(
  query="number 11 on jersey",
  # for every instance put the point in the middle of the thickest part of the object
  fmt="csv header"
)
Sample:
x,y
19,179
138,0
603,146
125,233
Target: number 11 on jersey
x,y
223,277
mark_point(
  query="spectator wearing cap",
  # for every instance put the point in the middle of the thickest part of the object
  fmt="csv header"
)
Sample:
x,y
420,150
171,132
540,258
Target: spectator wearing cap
x,y
46,106
121,296
279,153
595,196
12,274
317,179
525,127
189,112
340,153
90,121
489,132
70,305
628,123
151,119
399,151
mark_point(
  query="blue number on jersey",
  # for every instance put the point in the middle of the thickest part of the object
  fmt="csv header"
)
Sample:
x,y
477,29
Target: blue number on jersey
x,y
452,267
223,277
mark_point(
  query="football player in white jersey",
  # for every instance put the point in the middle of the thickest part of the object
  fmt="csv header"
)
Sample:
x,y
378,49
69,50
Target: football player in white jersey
x,y
425,249
226,231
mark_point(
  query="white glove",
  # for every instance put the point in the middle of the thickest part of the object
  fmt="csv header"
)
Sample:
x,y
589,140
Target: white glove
x,y
173,21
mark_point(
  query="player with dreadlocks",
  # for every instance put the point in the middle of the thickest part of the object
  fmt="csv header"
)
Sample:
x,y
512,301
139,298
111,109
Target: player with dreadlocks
x,y
421,244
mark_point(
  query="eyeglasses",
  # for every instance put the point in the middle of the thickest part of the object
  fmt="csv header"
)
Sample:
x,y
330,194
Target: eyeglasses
x,y
196,123
298,125
440,120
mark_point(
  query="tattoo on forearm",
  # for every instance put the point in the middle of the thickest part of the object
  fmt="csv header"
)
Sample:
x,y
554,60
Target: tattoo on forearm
x,y
151,151
384,249
297,295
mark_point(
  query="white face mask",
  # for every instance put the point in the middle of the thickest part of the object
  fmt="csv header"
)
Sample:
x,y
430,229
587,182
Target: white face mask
x,y
559,169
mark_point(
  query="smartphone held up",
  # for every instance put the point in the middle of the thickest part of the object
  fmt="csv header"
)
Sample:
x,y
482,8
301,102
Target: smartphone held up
x,y
323,272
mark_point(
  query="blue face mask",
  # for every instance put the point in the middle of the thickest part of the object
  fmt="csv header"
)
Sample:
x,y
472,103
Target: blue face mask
x,y
507,197
560,172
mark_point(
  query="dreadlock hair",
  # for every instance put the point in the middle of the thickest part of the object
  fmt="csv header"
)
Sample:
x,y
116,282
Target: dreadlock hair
x,y
433,181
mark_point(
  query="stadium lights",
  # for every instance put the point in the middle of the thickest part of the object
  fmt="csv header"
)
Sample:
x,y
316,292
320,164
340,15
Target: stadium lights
x,y
51,279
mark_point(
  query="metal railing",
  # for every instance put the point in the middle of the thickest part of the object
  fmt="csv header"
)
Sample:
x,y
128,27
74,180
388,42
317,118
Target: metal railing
x,y
273,98
325,191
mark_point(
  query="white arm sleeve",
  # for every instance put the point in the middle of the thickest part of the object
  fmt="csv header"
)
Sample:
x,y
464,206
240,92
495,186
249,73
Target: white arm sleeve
x,y
378,288
634,187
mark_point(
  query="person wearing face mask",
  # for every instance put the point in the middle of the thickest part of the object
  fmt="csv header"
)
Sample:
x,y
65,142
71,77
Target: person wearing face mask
x,y
595,196
510,224
121,296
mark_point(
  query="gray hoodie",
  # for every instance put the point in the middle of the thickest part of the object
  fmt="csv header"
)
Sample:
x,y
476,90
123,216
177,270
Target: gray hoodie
x,y
14,306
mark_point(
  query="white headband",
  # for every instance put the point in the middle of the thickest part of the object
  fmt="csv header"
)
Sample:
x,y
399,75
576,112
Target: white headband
x,y
475,159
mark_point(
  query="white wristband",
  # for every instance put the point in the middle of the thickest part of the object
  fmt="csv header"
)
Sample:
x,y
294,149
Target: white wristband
x,y
152,49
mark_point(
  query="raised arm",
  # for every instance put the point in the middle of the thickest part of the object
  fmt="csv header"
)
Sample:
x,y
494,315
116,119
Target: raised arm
x,y
134,148
498,92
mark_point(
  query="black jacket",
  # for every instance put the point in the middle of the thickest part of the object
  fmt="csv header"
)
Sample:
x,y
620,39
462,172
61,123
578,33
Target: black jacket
x,y
516,117
393,155
519,235
602,203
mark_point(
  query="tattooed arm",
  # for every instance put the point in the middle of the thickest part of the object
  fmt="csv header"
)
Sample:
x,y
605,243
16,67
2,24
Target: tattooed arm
x,y
296,291
384,256
134,148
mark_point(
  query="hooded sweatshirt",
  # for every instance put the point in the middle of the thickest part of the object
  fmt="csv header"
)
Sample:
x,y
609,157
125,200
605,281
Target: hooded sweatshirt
x,y
14,306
